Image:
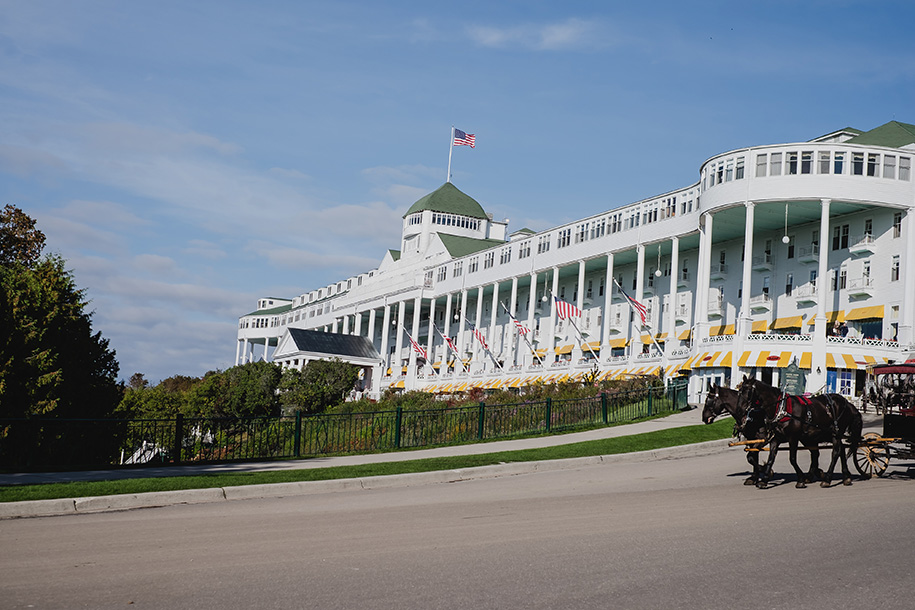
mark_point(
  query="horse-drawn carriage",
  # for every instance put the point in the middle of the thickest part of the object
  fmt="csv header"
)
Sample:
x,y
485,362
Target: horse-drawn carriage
x,y
766,417
890,391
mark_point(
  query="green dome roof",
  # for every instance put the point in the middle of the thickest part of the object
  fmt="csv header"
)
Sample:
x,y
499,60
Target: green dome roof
x,y
448,199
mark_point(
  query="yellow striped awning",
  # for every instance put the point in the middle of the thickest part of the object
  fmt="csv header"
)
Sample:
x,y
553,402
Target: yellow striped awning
x,y
565,349
593,345
726,360
759,326
688,365
787,322
806,359
661,337
865,313
398,384
686,335
707,359
831,317
718,331
618,343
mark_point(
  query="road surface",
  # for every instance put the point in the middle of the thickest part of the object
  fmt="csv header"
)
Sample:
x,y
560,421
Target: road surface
x,y
682,533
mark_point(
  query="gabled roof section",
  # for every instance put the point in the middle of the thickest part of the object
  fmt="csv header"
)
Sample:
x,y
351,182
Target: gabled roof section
x,y
449,199
524,230
333,344
395,254
893,135
462,246
841,135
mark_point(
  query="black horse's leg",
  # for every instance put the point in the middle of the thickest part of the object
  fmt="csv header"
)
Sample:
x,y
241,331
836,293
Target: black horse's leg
x,y
837,449
816,473
792,457
753,460
766,473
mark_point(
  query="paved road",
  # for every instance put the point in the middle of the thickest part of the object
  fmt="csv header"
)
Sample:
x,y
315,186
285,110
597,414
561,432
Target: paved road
x,y
681,533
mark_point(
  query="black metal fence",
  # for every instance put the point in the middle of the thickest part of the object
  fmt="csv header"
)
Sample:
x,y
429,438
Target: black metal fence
x,y
42,443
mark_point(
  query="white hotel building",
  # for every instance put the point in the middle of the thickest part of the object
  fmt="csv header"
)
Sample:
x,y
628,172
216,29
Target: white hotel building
x,y
742,272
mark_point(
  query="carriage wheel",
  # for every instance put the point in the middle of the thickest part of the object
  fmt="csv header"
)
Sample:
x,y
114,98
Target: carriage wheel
x,y
871,458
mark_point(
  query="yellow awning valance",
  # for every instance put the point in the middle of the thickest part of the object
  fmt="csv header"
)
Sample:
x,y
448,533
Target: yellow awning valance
x,y
686,335
726,360
618,343
865,313
540,353
806,359
565,349
718,331
759,326
645,338
595,345
787,322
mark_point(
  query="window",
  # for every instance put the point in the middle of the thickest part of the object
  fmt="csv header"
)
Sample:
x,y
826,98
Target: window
x,y
598,228
840,237
789,284
791,163
807,162
524,249
775,164
889,166
740,170
565,238
761,162
458,269
590,291
843,278
428,281
868,227
791,240
473,265
857,164
765,286
873,162
442,274
894,269
600,288
838,162
488,259
543,244
581,232
897,224
505,255
905,168
823,166
813,278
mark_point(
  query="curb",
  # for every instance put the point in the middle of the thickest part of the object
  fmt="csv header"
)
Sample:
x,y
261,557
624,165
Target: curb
x,y
102,504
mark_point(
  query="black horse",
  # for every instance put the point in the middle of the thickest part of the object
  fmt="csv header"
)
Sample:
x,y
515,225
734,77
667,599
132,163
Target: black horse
x,y
721,399
808,421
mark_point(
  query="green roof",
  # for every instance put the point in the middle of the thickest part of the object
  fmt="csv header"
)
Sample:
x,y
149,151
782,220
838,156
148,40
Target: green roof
x,y
462,246
524,230
893,135
395,254
448,199
269,312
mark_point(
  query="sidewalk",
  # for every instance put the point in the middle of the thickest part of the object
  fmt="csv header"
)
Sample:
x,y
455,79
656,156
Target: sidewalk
x,y
71,506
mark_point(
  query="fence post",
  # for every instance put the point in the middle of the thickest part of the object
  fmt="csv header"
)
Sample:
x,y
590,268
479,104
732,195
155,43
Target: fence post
x,y
549,413
297,438
398,419
481,420
603,407
650,395
179,438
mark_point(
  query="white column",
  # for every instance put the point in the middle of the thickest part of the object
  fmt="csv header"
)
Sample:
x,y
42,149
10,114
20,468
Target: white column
x,y
237,351
333,327
608,302
385,338
430,355
357,326
398,341
371,331
477,348
414,332
640,297
816,380
747,277
703,276
462,326
906,334
551,345
492,321
531,308
672,296
345,325
446,329
509,328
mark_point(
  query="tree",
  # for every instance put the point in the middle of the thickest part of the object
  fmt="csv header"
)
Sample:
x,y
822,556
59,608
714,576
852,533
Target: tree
x,y
137,381
20,241
247,390
51,362
320,385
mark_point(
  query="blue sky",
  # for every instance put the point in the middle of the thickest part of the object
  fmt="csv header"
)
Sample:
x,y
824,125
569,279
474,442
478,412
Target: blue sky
x,y
187,158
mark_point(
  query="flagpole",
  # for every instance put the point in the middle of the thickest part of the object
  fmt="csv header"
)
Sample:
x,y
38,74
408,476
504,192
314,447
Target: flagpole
x,y
450,150
448,343
484,346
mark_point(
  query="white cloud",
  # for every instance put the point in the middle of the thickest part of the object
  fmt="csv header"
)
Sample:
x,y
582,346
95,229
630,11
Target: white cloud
x,y
571,34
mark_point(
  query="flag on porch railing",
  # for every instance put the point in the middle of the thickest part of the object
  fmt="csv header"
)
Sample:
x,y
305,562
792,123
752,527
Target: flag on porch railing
x,y
565,310
417,348
638,307
478,335
448,341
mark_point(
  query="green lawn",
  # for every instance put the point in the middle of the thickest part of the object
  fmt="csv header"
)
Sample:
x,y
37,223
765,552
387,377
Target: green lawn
x,y
625,444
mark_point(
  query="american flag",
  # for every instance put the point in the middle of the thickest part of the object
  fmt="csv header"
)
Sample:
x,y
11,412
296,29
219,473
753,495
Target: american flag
x,y
478,335
638,307
565,310
448,341
464,139
522,329
417,348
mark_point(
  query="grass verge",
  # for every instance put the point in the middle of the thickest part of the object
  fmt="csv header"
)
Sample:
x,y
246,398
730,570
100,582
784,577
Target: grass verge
x,y
624,444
